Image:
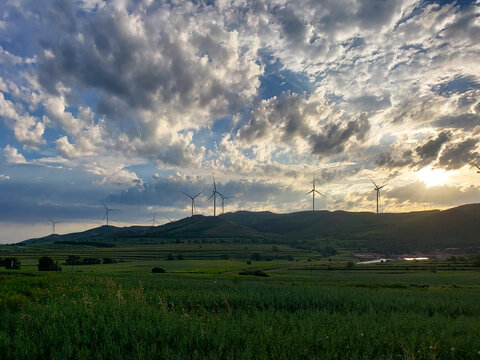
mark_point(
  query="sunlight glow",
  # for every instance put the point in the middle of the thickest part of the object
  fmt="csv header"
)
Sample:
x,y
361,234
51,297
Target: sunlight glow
x,y
433,177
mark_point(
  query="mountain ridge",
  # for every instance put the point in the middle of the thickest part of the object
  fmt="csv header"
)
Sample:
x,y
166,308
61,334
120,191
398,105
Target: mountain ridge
x,y
395,232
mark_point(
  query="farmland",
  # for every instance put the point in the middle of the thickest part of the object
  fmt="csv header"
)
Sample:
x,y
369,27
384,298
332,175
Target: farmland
x,y
307,307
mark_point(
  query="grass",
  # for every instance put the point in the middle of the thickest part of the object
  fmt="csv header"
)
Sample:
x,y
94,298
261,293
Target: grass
x,y
202,309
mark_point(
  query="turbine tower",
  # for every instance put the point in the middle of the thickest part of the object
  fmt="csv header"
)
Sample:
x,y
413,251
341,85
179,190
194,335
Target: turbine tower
x,y
154,220
478,172
313,191
223,201
377,189
192,198
107,210
53,225
214,195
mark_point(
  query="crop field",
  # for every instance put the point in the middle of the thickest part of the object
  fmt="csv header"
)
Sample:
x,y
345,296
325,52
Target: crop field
x,y
202,309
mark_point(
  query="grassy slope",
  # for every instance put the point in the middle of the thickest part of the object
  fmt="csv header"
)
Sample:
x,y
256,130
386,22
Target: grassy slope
x,y
416,231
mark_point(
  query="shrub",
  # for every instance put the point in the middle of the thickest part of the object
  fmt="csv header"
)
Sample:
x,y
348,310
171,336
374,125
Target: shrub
x,y
254,273
12,263
179,257
225,257
170,257
157,270
73,260
91,261
46,263
108,260
350,265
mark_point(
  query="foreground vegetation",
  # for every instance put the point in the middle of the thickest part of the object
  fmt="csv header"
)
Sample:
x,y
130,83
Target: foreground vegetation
x,y
148,302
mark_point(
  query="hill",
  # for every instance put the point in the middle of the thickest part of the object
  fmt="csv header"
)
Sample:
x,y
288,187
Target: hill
x,y
401,232
195,227
392,232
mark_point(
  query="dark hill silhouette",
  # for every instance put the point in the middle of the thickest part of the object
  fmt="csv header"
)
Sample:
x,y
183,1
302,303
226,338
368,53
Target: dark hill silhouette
x,y
402,232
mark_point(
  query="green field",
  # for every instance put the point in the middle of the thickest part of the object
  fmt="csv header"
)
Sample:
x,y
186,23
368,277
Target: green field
x,y
202,309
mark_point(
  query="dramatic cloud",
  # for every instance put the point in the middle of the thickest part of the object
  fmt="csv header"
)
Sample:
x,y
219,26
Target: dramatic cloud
x,y
459,154
428,151
265,94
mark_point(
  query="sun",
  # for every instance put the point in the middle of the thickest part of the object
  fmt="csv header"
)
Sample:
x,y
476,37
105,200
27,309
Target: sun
x,y
433,177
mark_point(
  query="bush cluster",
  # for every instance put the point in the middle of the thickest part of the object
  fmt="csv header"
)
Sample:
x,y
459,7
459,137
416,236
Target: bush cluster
x,y
254,273
46,263
10,263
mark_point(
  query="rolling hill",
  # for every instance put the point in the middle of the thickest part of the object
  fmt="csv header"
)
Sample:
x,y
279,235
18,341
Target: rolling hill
x,y
457,227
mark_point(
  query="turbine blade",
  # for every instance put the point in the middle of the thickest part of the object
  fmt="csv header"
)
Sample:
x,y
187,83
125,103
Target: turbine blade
x,y
318,192
104,205
476,166
374,183
382,186
201,192
211,196
104,216
308,192
214,184
186,194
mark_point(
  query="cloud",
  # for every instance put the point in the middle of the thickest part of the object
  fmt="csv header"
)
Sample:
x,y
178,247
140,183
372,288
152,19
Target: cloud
x,y
429,151
444,195
28,131
152,82
466,121
12,156
4,177
458,154
335,137
386,160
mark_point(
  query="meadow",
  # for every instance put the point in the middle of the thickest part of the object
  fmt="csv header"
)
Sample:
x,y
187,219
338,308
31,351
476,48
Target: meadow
x,y
202,309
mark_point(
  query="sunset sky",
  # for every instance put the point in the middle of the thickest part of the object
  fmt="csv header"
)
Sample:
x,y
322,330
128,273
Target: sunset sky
x,y
131,102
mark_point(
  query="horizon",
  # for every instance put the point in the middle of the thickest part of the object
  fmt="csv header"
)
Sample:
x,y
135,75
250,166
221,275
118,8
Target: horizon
x,y
128,225
131,103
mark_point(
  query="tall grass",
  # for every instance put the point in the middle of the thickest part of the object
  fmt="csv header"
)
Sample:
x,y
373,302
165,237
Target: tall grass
x,y
76,316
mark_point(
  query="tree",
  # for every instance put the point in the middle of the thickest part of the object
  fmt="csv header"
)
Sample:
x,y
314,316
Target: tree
x,y
12,263
46,263
73,260
157,270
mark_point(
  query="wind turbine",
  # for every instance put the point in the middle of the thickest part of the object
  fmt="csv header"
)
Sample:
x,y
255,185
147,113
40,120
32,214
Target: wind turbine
x,y
53,225
166,217
193,199
223,201
214,195
377,189
107,210
478,172
154,220
313,191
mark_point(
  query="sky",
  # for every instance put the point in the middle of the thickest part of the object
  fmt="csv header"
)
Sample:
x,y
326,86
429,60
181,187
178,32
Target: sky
x,y
133,102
